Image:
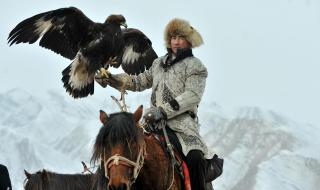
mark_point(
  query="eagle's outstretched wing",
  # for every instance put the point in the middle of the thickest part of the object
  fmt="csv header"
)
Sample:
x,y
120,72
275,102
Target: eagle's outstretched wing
x,y
62,30
138,54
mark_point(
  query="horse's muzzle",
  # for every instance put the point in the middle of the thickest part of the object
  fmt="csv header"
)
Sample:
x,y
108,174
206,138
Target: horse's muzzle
x,y
122,186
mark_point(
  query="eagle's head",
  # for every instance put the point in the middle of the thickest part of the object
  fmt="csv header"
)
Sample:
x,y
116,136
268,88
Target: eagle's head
x,y
117,19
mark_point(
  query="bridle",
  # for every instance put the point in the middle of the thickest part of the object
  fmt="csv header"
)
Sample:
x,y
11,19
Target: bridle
x,y
117,159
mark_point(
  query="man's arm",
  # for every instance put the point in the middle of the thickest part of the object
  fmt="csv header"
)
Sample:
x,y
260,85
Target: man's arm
x,y
124,81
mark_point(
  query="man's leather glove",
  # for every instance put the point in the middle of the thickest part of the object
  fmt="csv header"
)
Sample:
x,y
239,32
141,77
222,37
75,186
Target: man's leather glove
x,y
154,114
117,81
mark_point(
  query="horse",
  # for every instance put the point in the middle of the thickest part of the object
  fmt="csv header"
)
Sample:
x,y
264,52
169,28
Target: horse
x,y
46,180
132,159
5,182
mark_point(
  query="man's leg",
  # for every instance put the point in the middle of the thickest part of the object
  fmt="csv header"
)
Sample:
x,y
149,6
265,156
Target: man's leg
x,y
196,166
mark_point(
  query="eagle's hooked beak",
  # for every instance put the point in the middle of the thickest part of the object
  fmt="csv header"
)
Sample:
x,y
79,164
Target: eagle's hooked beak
x,y
124,24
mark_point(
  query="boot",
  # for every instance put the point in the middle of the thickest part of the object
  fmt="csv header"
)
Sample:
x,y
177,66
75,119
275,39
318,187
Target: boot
x,y
209,186
214,168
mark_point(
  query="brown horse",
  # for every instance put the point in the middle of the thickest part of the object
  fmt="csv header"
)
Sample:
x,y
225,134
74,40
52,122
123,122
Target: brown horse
x,y
46,180
132,159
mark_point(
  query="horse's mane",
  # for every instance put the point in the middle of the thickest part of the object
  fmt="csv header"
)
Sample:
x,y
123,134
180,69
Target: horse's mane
x,y
35,182
119,129
43,178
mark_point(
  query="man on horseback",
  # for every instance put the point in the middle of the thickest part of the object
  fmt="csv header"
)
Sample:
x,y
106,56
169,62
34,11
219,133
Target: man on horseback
x,y
178,81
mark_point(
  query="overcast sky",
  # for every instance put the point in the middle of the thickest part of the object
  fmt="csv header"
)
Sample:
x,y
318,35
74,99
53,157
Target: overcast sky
x,y
258,53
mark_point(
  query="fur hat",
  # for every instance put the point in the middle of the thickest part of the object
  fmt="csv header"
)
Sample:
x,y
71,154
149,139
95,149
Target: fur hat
x,y
183,28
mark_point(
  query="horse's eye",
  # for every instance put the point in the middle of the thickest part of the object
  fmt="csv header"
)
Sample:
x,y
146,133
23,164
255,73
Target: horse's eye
x,y
130,172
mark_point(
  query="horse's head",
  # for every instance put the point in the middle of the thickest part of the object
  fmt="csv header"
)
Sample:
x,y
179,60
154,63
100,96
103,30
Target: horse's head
x,y
35,181
46,180
121,148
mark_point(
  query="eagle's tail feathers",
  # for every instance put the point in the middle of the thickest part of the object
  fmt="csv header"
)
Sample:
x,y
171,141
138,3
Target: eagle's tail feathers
x,y
74,90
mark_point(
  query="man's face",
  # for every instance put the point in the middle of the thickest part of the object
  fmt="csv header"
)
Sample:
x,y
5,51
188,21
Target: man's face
x,y
178,42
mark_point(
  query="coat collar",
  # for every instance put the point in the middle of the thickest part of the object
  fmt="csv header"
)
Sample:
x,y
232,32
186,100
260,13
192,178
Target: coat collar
x,y
181,54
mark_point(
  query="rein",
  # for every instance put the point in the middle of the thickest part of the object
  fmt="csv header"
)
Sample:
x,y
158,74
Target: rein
x,y
117,159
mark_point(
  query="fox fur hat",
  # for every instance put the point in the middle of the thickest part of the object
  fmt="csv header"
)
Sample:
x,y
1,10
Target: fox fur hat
x,y
180,27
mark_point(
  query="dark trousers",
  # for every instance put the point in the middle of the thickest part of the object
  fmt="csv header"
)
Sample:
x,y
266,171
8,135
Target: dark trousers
x,y
195,161
196,165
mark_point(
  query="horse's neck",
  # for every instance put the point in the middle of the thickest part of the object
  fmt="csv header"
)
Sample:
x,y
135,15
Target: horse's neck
x,y
70,182
153,146
154,151
156,167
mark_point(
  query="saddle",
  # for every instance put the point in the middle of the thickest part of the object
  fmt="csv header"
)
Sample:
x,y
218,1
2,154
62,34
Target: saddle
x,y
180,165
214,166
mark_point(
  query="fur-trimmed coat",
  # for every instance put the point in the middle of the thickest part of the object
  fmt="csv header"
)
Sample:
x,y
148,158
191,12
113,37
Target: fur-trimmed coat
x,y
178,89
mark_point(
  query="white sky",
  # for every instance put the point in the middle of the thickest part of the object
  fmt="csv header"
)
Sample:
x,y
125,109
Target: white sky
x,y
262,53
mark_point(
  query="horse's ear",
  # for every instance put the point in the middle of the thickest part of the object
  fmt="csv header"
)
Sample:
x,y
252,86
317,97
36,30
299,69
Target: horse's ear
x,y
44,174
138,113
103,117
28,175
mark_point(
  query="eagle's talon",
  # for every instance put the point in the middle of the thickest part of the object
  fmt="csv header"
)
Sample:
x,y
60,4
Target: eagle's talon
x,y
112,60
104,72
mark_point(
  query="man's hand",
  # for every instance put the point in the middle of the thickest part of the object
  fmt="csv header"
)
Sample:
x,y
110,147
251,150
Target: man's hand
x,y
154,114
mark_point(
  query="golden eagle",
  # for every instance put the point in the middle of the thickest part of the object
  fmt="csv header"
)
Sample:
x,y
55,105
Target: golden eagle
x,y
91,45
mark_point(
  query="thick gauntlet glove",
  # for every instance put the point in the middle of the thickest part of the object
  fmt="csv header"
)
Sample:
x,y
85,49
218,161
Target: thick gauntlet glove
x,y
102,80
118,81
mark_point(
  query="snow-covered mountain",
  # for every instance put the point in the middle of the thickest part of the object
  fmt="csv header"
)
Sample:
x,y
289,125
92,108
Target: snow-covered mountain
x,y
262,149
